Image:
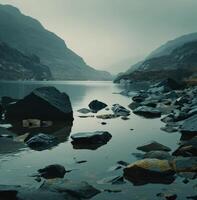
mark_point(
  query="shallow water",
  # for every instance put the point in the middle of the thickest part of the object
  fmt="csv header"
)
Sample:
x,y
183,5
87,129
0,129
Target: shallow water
x,y
16,167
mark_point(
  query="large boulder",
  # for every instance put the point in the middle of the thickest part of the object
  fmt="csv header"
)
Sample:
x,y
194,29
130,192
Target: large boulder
x,y
96,105
42,141
81,190
45,103
52,171
153,146
147,112
149,171
189,126
90,140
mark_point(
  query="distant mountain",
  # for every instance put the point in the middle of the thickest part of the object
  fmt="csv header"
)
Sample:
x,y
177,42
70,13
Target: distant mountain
x,y
181,63
30,37
14,65
168,47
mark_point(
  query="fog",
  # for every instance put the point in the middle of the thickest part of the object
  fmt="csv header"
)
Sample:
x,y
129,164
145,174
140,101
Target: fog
x,y
106,32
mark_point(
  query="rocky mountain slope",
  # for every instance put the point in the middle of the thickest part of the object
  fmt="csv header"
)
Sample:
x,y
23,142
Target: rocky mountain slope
x,y
181,63
14,65
30,37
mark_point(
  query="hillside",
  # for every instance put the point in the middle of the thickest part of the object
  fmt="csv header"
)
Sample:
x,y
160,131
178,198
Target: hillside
x,y
14,65
181,63
30,37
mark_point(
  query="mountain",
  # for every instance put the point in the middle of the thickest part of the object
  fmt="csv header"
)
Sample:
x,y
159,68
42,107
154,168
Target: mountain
x,y
30,37
180,63
168,47
14,65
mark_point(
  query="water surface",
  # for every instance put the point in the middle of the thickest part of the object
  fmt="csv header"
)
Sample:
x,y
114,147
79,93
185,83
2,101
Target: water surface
x,y
16,167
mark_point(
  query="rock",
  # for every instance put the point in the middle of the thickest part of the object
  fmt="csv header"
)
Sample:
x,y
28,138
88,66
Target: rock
x,y
45,103
189,126
140,97
123,163
41,142
147,112
84,110
96,105
110,190
149,171
90,140
161,155
170,84
187,149
192,197
153,146
52,171
167,196
125,118
134,105
114,180
107,116
103,123
8,192
86,116
169,128
181,164
120,110
77,189
6,133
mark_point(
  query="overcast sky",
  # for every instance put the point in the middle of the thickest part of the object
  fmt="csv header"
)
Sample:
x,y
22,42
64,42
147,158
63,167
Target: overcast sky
x,y
105,32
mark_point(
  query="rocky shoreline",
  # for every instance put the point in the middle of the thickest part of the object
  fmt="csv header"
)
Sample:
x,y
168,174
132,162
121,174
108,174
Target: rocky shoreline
x,y
174,103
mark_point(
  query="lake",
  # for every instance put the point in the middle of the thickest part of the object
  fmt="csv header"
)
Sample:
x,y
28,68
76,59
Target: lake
x,y
17,166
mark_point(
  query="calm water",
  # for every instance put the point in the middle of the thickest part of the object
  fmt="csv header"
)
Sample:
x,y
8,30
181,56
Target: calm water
x,y
16,168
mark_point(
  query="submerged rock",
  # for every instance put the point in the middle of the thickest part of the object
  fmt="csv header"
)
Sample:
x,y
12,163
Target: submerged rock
x,y
161,155
96,105
45,103
120,110
90,140
42,141
148,112
149,171
52,171
84,110
106,116
153,146
76,189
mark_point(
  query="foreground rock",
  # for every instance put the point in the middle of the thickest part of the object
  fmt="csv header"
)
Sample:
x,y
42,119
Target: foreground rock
x,y
52,171
153,146
45,103
149,171
120,110
42,141
77,189
147,112
96,105
90,140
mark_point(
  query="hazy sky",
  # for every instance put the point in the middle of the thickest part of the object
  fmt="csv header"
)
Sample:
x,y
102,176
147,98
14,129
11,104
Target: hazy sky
x,y
105,32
